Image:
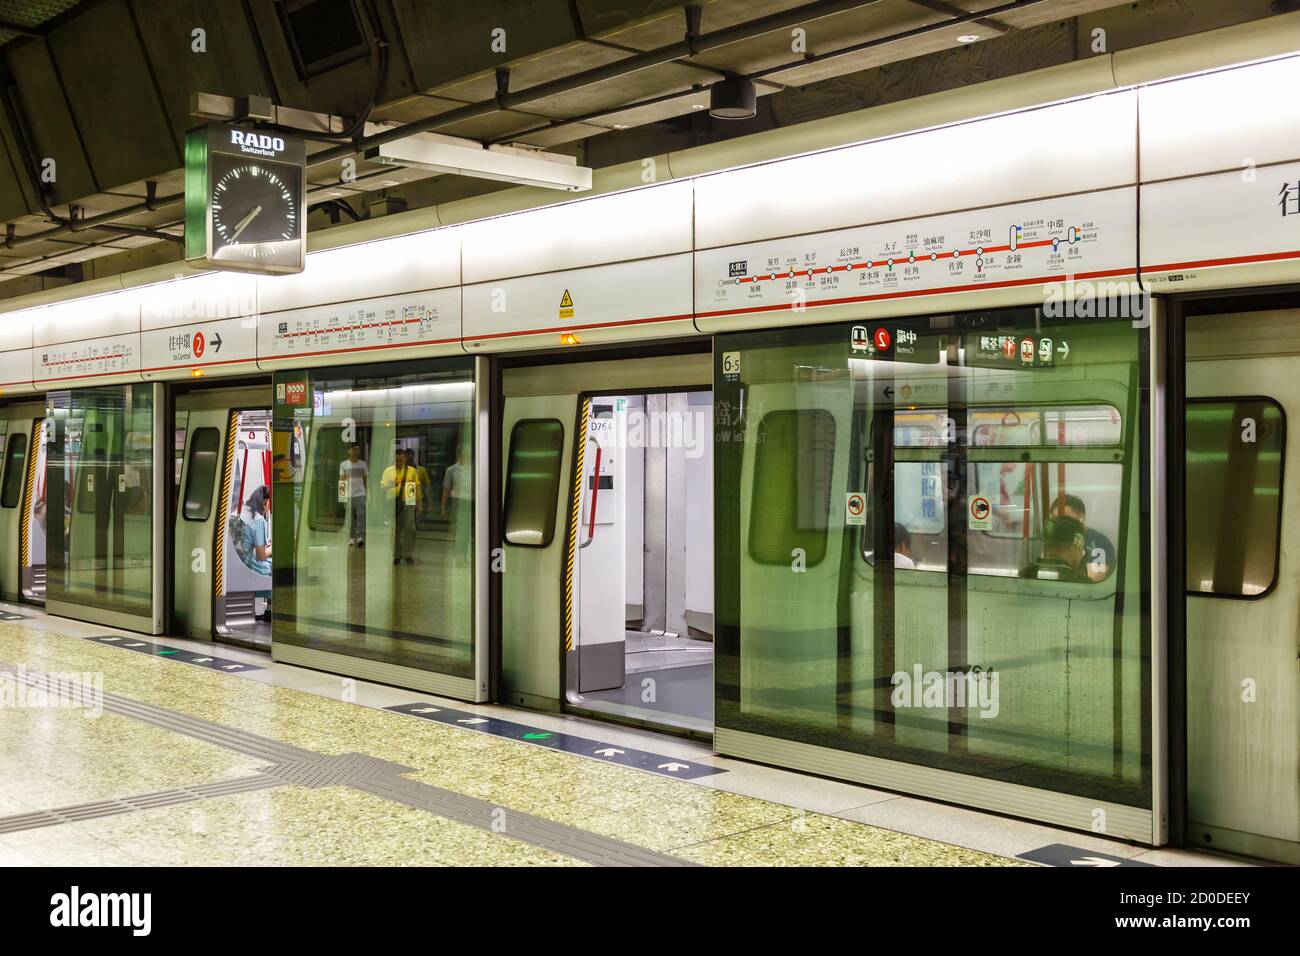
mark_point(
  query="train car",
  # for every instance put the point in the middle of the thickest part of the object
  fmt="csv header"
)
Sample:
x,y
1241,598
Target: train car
x,y
943,450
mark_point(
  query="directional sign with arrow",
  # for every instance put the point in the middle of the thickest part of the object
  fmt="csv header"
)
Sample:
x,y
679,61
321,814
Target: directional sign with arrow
x,y
1074,857
175,654
661,764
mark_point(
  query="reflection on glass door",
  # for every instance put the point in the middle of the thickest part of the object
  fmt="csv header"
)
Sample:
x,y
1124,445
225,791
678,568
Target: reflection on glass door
x,y
374,515
996,459
33,531
243,603
99,499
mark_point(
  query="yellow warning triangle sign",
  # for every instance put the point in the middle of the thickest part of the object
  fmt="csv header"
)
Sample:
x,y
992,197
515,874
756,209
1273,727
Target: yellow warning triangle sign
x,y
567,301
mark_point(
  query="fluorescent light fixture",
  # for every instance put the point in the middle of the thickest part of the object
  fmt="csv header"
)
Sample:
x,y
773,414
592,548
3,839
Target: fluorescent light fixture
x,y
464,157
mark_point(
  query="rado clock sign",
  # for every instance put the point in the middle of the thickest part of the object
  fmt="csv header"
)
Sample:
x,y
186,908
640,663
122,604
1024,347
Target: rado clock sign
x,y
244,200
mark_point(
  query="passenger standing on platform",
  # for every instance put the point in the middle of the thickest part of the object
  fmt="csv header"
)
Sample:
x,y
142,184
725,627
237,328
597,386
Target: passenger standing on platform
x,y
354,475
402,482
458,489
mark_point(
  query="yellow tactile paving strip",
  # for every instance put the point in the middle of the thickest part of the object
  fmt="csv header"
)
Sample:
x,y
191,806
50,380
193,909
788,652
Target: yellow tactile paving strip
x,y
56,757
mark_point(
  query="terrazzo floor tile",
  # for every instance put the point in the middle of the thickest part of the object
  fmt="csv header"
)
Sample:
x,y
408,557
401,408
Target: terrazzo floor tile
x,y
815,840
339,825
329,826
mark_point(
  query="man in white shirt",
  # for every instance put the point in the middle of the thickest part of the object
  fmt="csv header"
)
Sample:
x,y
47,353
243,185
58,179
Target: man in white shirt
x,y
458,489
354,476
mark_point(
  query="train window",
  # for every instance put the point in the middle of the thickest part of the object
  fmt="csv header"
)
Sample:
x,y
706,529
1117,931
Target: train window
x,y
205,452
1235,450
792,486
1066,426
15,459
533,481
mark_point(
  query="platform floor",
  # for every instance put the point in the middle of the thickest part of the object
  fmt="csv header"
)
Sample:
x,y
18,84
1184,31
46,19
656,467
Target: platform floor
x,y
185,765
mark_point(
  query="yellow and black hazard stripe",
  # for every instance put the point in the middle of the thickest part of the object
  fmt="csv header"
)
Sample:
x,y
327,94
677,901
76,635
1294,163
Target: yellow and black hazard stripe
x,y
575,515
29,488
219,531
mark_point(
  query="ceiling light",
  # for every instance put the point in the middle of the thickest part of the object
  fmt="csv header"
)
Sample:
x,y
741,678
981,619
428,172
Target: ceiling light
x,y
968,38
464,157
732,98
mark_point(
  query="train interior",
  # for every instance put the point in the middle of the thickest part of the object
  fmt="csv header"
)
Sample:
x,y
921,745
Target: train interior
x,y
644,578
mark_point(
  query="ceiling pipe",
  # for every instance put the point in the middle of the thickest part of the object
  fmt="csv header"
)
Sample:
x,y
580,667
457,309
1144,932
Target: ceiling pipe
x,y
688,46
806,59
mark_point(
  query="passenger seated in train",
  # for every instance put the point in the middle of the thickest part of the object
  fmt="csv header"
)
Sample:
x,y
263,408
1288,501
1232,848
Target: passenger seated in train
x,y
1099,552
903,547
255,550
1062,555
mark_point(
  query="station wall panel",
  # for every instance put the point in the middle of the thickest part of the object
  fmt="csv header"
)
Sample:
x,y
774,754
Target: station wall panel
x,y
1072,147
638,224
650,298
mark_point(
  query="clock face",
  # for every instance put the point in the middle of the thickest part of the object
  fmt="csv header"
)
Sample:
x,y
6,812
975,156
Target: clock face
x,y
256,214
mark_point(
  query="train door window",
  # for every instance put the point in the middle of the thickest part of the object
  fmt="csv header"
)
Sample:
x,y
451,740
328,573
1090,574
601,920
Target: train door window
x,y
533,482
1235,450
792,485
15,460
205,451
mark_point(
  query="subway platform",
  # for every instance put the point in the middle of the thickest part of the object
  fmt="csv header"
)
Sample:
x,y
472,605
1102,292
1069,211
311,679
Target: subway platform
x,y
125,751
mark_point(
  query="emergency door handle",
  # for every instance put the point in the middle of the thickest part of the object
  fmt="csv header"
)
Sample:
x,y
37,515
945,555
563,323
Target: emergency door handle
x,y
595,491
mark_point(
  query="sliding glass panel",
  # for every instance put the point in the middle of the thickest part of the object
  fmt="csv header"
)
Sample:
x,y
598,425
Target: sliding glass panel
x,y
373,510
99,470
999,462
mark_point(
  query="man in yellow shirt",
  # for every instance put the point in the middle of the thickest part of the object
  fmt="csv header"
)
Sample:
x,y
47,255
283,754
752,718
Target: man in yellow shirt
x,y
402,483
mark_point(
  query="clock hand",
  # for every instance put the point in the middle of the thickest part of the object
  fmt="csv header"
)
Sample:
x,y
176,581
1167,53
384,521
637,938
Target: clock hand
x,y
243,223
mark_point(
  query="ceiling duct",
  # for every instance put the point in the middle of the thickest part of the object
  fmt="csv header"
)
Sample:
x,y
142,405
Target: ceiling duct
x,y
322,34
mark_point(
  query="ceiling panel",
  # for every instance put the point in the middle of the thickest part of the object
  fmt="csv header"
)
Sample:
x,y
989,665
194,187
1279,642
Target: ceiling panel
x,y
49,121
230,65
670,26
534,70
601,15
643,84
413,108
446,41
824,35
138,140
